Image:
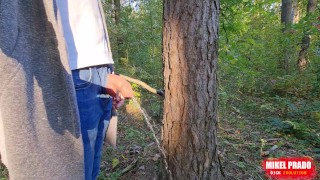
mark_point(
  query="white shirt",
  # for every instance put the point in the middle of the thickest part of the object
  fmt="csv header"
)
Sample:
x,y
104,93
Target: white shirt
x,y
85,34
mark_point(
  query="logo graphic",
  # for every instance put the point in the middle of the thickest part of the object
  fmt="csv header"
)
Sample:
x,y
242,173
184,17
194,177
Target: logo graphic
x,y
290,168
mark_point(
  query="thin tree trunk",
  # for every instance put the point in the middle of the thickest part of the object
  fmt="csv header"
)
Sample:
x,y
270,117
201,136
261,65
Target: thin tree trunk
x,y
296,11
287,14
190,55
121,53
117,8
302,59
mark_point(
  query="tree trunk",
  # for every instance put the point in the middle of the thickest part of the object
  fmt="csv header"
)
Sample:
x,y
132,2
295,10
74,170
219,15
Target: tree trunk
x,y
296,12
117,8
121,52
190,55
287,14
302,59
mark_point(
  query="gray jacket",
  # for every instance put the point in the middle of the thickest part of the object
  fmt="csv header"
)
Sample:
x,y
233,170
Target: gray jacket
x,y
39,122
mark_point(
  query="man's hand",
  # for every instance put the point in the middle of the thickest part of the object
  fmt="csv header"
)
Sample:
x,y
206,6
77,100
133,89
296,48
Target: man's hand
x,y
119,88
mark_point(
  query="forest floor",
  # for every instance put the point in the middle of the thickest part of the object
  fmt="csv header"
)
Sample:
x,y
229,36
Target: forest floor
x,y
242,138
243,141
136,155
250,127
243,135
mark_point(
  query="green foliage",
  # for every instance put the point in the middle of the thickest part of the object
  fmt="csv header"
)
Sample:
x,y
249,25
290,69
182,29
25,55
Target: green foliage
x,y
3,172
288,126
248,53
140,31
137,46
253,81
252,44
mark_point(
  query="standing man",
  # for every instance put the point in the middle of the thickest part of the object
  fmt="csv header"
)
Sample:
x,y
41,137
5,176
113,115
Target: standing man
x,y
90,59
40,135
40,132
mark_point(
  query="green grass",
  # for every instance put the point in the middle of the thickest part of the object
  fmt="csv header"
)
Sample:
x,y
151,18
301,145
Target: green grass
x,y
3,172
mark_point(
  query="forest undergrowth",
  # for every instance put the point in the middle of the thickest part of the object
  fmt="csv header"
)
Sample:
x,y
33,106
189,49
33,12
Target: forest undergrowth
x,y
254,128
249,126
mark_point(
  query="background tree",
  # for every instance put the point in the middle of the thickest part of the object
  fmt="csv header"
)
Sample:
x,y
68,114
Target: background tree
x,y
287,13
302,59
190,55
121,53
287,17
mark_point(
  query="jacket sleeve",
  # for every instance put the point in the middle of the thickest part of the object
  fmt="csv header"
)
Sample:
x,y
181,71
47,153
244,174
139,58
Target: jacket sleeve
x,y
39,120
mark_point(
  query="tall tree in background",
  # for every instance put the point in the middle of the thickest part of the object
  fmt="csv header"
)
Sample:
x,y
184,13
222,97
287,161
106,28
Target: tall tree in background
x,y
117,8
287,13
190,55
295,11
117,12
287,17
302,59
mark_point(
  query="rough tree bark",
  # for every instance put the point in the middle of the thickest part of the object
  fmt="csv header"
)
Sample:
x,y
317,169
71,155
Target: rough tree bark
x,y
287,13
287,16
302,59
190,55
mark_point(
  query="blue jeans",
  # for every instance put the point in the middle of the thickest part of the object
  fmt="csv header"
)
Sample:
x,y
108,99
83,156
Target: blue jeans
x,y
95,113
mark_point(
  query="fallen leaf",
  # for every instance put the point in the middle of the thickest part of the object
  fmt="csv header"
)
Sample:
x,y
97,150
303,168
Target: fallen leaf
x,y
156,157
135,149
124,157
115,162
